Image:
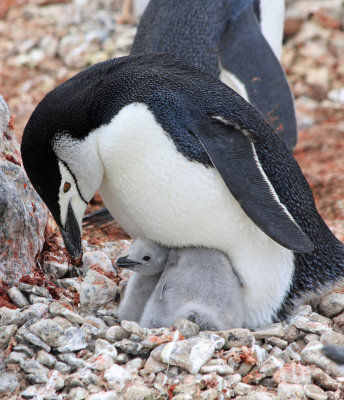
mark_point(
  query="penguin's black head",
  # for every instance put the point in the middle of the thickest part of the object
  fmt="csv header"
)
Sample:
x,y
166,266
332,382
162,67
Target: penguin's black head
x,y
58,158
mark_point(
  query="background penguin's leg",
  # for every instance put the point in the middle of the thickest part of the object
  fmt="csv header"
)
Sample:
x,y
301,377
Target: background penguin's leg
x,y
248,61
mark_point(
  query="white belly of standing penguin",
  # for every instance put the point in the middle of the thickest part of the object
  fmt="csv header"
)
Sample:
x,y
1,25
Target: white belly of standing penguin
x,y
152,190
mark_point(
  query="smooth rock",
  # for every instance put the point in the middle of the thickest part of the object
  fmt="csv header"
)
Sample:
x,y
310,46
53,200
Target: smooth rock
x,y
55,270
122,359
133,328
332,304
49,331
269,330
24,349
137,391
190,354
238,337
46,359
72,360
33,289
96,289
82,378
117,376
314,392
134,348
17,297
186,327
37,341
38,392
218,369
311,327
99,362
293,373
270,366
38,299
77,393
6,333
9,383
16,357
261,396
110,395
97,259
115,333
154,366
310,337
242,388
323,380
36,372
288,391
62,367
331,337
312,354
74,339
275,341
56,308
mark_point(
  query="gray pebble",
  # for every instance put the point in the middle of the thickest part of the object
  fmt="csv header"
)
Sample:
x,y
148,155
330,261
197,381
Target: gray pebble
x,y
24,349
269,330
72,360
35,340
16,357
6,334
332,304
46,359
55,270
314,392
75,339
275,341
186,327
62,367
9,382
33,289
238,337
17,297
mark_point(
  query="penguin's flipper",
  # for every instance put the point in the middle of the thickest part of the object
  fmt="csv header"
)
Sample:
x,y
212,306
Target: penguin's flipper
x,y
247,59
233,154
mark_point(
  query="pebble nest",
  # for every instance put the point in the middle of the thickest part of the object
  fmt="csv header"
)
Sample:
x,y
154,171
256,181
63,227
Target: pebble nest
x,y
61,340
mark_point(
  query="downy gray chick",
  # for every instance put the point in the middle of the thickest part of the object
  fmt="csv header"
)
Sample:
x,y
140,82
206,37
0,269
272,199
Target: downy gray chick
x,y
147,260
198,284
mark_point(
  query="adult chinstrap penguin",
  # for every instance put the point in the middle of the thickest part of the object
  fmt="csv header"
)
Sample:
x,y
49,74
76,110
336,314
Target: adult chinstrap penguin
x,y
183,160
237,41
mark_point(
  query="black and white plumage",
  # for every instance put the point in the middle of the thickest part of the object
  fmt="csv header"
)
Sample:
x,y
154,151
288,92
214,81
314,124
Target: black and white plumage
x,y
195,283
238,41
183,160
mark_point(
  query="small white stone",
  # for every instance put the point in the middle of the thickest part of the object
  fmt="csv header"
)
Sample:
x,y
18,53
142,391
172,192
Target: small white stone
x,y
117,376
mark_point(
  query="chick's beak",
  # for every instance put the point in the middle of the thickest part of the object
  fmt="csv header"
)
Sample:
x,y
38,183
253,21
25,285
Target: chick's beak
x,y
125,262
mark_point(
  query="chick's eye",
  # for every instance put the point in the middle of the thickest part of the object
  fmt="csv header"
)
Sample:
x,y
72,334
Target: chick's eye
x,y
66,187
146,258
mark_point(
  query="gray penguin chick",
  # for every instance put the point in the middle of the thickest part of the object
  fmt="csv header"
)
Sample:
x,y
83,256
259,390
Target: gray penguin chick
x,y
198,284
147,260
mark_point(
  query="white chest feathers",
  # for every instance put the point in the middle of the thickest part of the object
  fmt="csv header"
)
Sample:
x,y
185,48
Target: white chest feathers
x,y
153,191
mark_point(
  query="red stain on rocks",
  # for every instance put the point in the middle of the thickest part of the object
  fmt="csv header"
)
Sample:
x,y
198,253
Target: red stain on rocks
x,y
11,123
5,301
76,299
11,159
247,357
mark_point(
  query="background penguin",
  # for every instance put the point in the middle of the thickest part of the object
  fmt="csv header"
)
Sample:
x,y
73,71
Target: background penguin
x,y
195,282
183,160
225,38
147,260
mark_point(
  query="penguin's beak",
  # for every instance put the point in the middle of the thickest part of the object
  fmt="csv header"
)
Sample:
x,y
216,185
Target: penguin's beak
x,y
125,262
71,234
248,61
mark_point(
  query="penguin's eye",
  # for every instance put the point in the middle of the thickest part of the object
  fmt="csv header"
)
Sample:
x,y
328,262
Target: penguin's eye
x,y
146,258
66,187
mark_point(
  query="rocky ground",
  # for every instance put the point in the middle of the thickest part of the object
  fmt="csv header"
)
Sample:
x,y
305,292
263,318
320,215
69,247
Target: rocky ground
x,y
59,335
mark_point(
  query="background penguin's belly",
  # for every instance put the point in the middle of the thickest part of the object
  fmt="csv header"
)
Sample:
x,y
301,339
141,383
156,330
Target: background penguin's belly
x,y
152,190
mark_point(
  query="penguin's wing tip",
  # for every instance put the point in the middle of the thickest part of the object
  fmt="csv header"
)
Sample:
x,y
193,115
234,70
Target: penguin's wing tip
x,y
233,154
